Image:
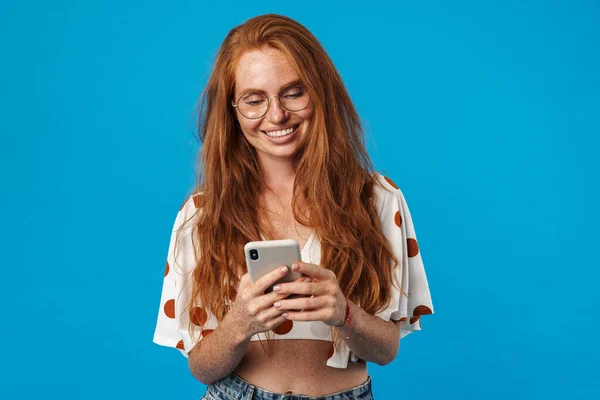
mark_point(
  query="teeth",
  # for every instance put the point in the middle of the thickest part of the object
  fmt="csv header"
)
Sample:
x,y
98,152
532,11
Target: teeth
x,y
280,133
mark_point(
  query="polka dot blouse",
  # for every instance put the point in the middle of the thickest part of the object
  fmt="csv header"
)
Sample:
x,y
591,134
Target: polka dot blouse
x,y
397,226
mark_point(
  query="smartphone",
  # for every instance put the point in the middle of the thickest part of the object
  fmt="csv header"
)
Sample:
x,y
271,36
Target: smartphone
x,y
264,256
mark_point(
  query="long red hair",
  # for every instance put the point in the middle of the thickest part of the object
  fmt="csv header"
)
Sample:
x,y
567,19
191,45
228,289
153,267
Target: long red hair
x,y
334,175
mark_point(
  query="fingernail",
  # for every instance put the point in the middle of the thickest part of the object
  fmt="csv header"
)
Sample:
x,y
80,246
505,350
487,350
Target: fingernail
x,y
284,270
308,280
295,267
276,288
285,315
277,305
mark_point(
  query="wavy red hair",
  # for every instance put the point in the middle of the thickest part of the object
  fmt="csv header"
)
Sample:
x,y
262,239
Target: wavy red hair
x,y
334,175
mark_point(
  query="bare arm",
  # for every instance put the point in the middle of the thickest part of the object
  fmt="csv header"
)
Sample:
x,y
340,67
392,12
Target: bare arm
x,y
371,338
219,353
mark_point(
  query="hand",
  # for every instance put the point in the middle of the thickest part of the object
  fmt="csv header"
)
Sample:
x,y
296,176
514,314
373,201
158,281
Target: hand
x,y
253,310
327,302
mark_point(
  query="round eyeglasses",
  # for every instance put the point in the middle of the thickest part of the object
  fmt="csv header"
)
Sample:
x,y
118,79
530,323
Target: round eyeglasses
x,y
254,105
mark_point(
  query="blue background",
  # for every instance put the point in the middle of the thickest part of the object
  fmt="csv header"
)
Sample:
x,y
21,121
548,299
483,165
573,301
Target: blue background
x,y
486,114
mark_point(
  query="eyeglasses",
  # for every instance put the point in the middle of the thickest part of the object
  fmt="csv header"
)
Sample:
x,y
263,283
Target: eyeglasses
x,y
254,105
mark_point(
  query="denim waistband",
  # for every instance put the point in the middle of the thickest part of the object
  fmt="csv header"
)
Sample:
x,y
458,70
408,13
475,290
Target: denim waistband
x,y
232,387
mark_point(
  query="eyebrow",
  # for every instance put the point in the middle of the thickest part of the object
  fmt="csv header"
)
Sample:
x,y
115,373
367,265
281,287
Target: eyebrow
x,y
253,90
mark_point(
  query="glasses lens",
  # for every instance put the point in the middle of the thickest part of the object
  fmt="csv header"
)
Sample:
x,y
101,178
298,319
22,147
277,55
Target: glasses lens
x,y
295,98
253,105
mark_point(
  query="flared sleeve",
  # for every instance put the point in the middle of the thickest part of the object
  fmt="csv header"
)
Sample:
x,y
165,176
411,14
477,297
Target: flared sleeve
x,y
412,298
173,318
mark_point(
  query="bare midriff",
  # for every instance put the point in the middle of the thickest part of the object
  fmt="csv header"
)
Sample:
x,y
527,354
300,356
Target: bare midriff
x,y
297,366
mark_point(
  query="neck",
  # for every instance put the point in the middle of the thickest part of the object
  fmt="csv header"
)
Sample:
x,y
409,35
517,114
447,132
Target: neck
x,y
278,174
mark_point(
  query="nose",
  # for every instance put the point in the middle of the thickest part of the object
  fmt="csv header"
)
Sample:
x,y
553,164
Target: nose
x,y
276,113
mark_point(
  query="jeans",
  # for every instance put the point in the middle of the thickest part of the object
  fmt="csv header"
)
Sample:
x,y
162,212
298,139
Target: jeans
x,y
232,387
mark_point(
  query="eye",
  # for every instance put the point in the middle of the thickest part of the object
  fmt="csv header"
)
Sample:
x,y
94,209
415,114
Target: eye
x,y
294,92
253,99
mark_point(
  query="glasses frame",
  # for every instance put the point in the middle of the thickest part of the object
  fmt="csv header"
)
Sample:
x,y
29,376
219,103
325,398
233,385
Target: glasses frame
x,y
235,105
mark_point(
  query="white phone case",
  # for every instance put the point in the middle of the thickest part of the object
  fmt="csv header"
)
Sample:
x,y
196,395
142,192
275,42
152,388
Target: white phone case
x,y
272,254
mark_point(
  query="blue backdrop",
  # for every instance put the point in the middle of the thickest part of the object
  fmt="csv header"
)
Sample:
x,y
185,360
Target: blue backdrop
x,y
486,114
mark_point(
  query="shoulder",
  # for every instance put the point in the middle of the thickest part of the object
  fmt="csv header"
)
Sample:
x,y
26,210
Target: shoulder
x,y
193,203
182,251
386,194
390,204
386,182
187,216
191,206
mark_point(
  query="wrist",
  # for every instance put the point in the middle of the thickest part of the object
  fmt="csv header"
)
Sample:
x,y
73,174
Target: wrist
x,y
232,324
346,319
341,325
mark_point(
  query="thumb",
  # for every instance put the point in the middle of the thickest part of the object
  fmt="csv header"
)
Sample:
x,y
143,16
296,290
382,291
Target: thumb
x,y
245,280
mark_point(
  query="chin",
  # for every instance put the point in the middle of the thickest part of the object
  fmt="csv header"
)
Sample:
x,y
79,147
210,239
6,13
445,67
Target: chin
x,y
281,155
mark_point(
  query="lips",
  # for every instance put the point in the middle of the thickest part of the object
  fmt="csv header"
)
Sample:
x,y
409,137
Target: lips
x,y
278,133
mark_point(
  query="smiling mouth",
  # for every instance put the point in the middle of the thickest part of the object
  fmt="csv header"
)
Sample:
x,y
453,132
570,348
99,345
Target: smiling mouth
x,y
281,133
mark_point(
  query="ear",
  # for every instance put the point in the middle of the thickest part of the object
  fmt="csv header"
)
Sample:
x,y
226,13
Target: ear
x,y
234,112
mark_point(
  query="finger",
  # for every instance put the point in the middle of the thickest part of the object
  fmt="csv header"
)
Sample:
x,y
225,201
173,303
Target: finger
x,y
265,301
265,316
269,279
312,270
309,288
243,284
244,280
302,303
275,322
316,315
294,295
303,278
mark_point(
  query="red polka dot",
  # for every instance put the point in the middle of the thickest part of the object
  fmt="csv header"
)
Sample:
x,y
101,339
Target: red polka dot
x,y
206,332
413,247
169,308
284,328
422,310
414,319
398,219
167,269
331,351
198,316
390,182
180,345
199,200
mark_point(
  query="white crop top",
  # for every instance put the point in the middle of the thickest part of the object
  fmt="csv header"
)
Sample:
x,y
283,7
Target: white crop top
x,y
397,226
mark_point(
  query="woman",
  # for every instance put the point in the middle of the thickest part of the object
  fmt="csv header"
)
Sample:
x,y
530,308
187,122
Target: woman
x,y
283,157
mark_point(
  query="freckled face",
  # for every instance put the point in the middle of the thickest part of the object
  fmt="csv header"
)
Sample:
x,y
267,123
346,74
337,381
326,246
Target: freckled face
x,y
279,134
